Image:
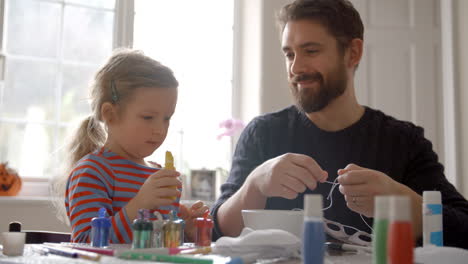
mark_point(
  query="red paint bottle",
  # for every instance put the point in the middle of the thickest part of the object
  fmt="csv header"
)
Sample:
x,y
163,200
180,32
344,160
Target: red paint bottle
x,y
400,243
204,231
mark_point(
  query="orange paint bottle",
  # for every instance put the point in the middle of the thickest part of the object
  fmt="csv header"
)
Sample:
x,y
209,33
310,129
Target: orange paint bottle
x,y
400,241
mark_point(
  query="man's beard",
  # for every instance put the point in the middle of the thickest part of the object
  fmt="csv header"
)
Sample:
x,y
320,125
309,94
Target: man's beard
x,y
312,100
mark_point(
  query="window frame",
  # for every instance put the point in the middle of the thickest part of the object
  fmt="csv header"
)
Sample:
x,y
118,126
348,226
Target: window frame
x,y
122,37
123,30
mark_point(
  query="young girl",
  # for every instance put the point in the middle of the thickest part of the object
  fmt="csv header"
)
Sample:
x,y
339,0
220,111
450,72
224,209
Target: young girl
x,y
133,98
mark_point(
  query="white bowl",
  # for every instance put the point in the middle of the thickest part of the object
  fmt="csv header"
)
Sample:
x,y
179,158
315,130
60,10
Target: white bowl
x,y
287,220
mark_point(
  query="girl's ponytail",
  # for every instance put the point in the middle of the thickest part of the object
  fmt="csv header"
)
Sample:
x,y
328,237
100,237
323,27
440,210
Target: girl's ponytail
x,y
89,137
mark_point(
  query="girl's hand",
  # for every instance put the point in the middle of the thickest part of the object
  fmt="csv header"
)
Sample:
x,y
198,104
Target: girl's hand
x,y
158,190
198,209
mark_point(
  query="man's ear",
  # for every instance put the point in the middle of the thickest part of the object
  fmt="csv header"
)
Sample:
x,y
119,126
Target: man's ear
x,y
108,113
355,52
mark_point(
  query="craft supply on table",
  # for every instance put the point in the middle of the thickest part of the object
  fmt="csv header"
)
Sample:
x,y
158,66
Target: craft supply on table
x,y
173,231
142,229
204,231
314,233
68,252
100,229
197,250
381,218
165,258
258,244
99,250
13,241
158,234
400,243
432,219
347,247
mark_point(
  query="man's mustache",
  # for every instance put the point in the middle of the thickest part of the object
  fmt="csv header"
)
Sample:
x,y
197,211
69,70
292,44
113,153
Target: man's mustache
x,y
307,77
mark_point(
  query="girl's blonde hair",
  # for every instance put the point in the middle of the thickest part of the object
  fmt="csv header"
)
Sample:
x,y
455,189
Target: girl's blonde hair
x,y
115,82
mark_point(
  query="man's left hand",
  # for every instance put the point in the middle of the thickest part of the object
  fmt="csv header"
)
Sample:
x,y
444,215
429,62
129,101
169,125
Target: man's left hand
x,y
360,185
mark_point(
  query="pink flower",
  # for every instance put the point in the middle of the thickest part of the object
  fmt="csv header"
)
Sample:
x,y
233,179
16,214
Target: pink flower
x,y
231,127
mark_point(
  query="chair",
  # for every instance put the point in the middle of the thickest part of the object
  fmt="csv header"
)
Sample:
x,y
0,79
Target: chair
x,y
39,237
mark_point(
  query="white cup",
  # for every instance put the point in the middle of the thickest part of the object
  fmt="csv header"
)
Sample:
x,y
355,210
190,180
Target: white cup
x,y
13,243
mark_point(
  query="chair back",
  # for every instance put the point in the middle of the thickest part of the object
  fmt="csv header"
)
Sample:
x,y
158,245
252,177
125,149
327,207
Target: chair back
x,y
39,237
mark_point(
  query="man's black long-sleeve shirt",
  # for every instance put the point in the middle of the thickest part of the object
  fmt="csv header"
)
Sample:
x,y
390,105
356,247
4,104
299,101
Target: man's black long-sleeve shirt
x,y
377,141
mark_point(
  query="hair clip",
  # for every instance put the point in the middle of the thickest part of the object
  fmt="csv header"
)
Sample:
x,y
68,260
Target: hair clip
x,y
115,96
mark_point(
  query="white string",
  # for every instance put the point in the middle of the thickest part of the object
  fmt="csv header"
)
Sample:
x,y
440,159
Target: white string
x,y
330,197
365,222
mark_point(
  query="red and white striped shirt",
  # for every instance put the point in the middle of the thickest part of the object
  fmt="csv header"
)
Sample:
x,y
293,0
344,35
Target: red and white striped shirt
x,y
105,179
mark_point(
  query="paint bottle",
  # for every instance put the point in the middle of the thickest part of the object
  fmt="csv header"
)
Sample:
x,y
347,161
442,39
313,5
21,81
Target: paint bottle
x,y
142,230
314,234
173,231
432,219
158,234
13,240
379,240
169,165
400,242
100,229
204,231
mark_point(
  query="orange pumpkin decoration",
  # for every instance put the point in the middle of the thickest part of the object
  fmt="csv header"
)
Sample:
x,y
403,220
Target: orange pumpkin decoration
x,y
10,182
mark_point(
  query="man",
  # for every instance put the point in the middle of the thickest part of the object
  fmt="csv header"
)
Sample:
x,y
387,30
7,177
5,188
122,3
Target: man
x,y
328,136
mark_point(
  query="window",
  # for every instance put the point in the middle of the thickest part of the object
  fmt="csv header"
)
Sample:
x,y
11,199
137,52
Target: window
x,y
52,48
197,44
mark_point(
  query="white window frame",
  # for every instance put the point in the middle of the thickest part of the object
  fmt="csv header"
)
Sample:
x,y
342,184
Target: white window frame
x,y
124,14
123,23
122,37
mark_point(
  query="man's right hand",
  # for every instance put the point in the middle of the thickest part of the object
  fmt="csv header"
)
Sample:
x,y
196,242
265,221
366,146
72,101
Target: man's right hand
x,y
287,175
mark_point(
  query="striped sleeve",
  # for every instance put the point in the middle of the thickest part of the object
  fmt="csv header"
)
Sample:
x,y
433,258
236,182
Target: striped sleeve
x,y
90,187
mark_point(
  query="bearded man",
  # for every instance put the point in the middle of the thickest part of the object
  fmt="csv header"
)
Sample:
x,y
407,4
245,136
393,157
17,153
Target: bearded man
x,y
327,136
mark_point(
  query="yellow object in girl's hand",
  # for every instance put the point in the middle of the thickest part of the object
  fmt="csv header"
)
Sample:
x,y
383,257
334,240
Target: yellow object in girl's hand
x,y
169,165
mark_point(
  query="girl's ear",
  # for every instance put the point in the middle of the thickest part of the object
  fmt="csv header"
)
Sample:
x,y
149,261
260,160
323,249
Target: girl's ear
x,y
108,113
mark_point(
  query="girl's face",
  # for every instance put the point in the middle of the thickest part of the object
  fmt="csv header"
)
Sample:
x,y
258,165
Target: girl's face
x,y
140,127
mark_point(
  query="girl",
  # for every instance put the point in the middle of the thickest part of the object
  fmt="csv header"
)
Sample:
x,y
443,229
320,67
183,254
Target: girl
x,y
134,97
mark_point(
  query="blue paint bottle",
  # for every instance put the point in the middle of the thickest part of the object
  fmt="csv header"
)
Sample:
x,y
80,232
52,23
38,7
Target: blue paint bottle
x,y
432,219
100,229
313,241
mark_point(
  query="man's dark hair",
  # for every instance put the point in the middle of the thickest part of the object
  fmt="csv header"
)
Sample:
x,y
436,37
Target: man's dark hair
x,y
340,18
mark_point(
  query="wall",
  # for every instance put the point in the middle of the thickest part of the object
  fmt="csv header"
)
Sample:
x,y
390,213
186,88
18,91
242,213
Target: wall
x,y
461,83
275,93
35,213
260,84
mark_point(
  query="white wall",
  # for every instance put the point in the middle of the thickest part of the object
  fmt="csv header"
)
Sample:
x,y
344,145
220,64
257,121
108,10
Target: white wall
x,y
260,84
35,213
461,84
274,92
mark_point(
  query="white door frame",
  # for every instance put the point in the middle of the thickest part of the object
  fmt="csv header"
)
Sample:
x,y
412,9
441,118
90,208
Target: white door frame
x,y
449,101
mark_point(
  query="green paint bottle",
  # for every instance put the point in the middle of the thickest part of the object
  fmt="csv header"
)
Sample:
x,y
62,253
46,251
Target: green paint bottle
x,y
381,219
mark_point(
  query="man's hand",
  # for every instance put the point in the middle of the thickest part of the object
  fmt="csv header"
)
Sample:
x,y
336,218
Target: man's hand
x,y
360,185
287,175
